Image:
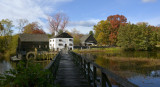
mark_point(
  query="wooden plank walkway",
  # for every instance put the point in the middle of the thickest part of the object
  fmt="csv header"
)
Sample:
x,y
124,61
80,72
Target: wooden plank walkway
x,y
69,75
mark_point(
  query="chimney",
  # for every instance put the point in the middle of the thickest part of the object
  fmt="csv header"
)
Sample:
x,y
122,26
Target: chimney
x,y
56,33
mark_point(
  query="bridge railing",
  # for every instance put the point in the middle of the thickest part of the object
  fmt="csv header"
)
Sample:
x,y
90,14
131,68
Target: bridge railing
x,y
53,65
90,69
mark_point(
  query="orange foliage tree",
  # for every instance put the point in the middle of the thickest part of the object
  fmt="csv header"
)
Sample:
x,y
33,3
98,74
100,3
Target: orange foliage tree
x,y
38,31
33,28
115,21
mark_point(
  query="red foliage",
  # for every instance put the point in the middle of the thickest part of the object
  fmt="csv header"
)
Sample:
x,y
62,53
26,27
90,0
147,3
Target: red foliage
x,y
116,21
33,28
38,31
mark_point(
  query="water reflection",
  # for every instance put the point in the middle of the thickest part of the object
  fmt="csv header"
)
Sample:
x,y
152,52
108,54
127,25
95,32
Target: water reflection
x,y
4,66
141,68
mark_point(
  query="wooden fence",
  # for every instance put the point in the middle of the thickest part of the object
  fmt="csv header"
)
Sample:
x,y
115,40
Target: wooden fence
x,y
53,65
90,69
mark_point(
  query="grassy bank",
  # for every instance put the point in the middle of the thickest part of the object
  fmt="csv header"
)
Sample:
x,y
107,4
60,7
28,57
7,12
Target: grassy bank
x,y
108,50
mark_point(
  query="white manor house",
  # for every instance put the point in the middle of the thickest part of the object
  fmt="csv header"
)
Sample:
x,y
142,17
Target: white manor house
x,y
63,40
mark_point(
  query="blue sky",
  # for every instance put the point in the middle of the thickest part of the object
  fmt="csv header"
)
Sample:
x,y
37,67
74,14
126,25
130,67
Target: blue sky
x,y
83,14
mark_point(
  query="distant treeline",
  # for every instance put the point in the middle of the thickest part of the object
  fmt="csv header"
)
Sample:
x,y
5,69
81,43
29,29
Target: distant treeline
x,y
116,31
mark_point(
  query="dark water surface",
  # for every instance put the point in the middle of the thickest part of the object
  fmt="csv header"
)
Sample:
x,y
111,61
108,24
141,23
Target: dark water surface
x,y
6,64
140,68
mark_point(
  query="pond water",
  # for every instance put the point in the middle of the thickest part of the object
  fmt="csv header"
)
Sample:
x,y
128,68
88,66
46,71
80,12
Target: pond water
x,y
6,64
140,68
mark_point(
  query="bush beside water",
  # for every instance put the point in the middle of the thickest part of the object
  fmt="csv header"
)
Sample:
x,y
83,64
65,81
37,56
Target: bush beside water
x,y
28,74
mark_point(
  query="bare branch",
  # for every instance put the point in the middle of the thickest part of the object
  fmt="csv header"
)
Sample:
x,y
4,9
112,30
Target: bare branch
x,y
21,24
57,22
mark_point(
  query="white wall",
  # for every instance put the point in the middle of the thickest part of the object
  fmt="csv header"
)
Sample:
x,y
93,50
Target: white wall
x,y
55,44
51,44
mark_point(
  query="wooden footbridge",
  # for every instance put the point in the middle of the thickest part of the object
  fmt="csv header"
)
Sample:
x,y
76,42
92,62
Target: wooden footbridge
x,y
73,70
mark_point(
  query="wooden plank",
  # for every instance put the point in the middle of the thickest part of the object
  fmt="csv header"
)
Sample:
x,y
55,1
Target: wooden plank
x,y
14,59
69,75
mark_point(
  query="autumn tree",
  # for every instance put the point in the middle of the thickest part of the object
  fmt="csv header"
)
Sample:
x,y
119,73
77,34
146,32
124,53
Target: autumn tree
x,y
21,24
102,32
33,28
115,21
58,22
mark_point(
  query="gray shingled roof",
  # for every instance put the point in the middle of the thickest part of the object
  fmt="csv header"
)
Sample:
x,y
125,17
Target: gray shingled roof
x,y
34,37
84,38
63,35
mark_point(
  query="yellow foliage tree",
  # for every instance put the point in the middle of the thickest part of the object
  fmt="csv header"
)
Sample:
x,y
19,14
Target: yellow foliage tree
x,y
102,32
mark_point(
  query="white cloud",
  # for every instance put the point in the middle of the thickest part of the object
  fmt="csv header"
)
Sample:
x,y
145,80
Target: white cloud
x,y
83,26
145,1
87,23
33,10
153,21
82,29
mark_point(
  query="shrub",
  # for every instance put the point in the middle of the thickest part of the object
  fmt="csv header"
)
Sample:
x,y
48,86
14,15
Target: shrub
x,y
27,75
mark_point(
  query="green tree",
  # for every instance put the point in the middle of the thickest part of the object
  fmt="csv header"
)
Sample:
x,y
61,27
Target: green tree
x,y
1,27
157,29
127,36
102,32
60,31
147,38
137,37
6,33
7,25
91,32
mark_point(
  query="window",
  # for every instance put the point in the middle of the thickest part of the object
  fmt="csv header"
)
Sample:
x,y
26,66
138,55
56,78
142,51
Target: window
x,y
70,40
70,45
53,40
60,40
39,46
50,40
46,46
50,45
60,44
57,49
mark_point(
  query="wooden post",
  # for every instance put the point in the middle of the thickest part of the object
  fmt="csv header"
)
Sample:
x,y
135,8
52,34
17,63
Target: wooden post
x,y
94,76
103,82
84,68
105,79
88,65
43,56
81,63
